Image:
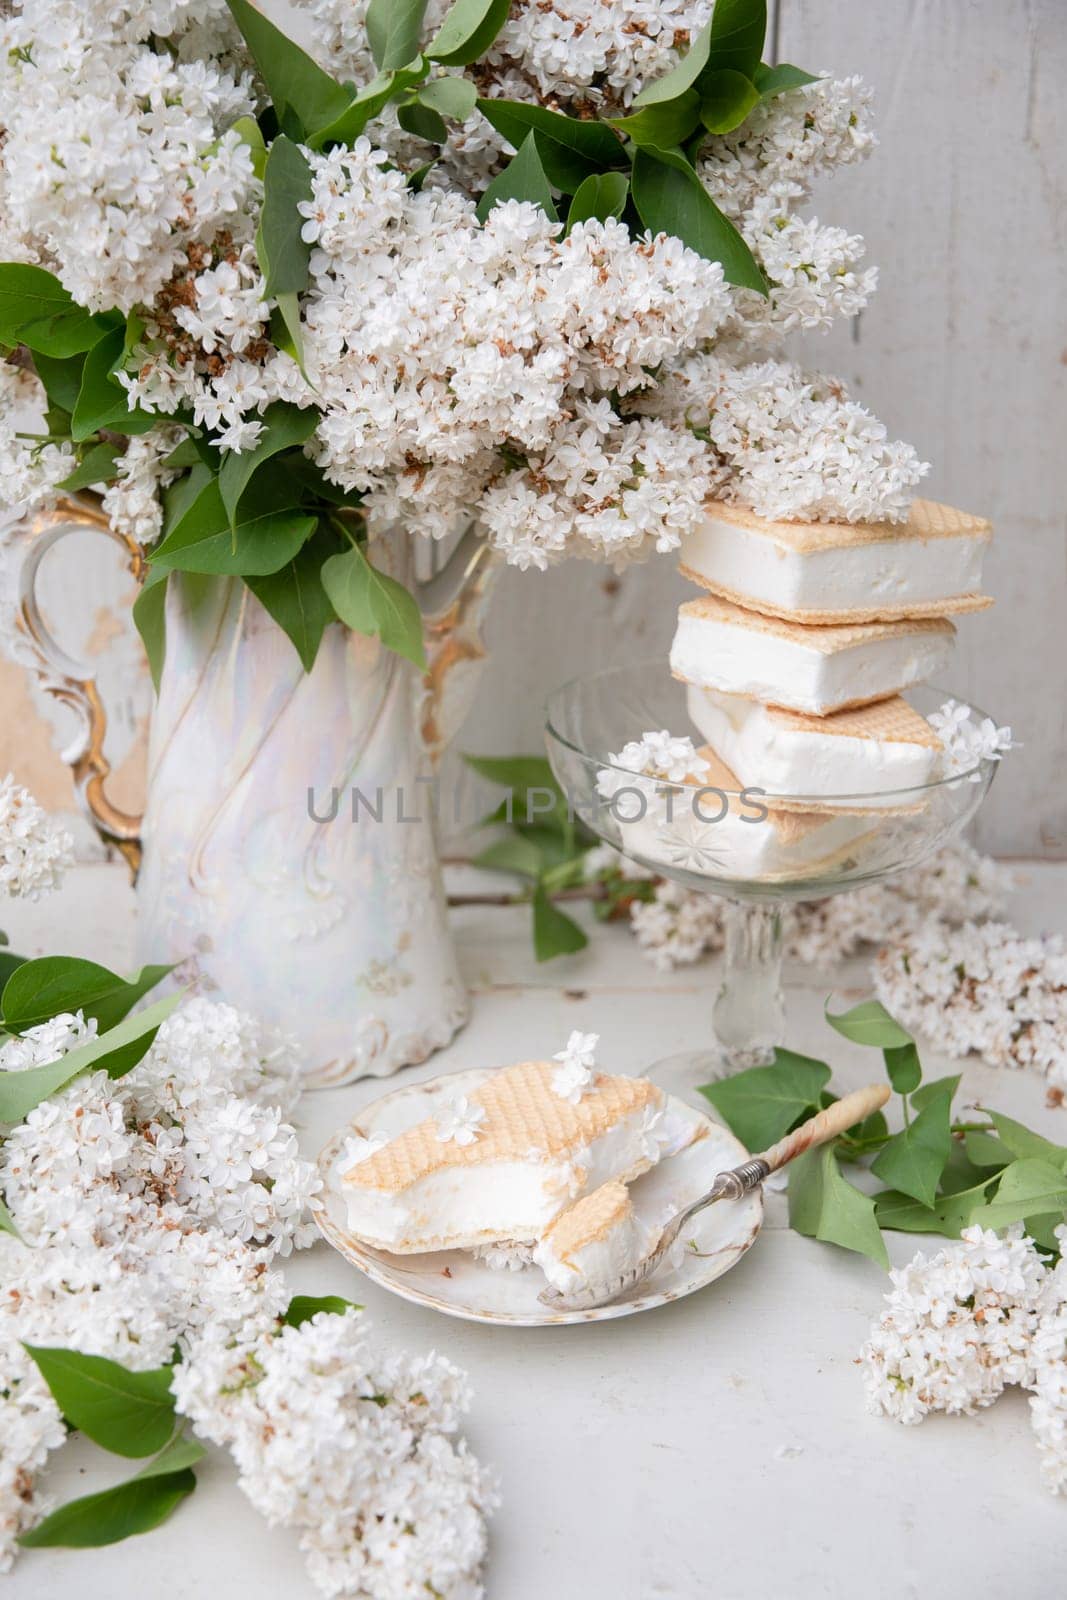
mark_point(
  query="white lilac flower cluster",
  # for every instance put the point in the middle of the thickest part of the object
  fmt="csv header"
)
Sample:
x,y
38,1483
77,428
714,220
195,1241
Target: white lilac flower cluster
x,y
31,465
788,443
34,851
968,740
984,988
507,374
460,1121
677,926
352,1449
962,1325
576,1072
637,772
491,361
117,155
153,1211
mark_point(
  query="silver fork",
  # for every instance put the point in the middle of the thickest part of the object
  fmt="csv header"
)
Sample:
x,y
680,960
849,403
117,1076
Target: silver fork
x,y
729,1185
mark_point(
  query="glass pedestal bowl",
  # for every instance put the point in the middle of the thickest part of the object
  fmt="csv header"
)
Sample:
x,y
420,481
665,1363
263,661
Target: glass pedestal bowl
x,y
756,850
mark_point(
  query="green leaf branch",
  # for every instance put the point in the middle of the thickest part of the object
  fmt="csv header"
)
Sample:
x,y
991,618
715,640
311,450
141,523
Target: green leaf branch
x,y
545,844
941,1174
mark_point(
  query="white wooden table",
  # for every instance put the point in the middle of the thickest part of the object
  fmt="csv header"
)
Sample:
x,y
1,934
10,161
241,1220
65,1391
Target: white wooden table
x,y
715,1447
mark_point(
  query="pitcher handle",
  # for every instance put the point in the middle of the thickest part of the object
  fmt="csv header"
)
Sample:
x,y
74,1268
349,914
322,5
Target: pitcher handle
x,y
70,681
453,604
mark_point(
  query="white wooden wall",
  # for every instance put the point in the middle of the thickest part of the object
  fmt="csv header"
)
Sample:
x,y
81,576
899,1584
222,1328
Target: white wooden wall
x,y
964,352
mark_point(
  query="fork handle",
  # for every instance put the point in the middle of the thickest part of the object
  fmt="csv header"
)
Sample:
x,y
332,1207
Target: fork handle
x,y
825,1125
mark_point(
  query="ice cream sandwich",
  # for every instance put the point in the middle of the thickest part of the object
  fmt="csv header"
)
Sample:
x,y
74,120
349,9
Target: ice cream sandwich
x,y
929,566
816,669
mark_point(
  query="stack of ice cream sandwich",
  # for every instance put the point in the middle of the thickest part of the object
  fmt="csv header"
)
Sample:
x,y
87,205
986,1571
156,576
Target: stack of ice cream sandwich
x,y
807,634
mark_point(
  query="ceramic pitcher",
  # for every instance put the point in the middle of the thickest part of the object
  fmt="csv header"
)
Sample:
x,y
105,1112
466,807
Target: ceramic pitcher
x,y
286,859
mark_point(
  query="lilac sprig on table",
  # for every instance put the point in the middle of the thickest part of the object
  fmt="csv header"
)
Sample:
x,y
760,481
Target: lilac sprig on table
x,y
940,1173
962,1325
150,1186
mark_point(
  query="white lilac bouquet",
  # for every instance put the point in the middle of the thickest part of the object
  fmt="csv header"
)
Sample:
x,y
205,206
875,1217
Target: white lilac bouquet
x,y
150,1187
962,1325
524,266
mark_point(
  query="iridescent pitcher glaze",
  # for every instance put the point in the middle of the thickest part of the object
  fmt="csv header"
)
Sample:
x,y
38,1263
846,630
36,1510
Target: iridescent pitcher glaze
x,y
286,859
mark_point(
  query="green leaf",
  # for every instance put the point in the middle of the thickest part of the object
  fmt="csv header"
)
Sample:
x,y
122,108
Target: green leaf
x,y
738,29
371,99
913,1160
1027,1188
302,1307
9,961
776,80
601,196
423,122
42,989
824,1205
903,1067
681,78
116,1051
450,97
283,254
986,1150
150,619
96,466
731,39
961,1172
949,1214
934,1089
727,97
129,1413
305,97
1023,1142
37,311
554,933
393,31
570,149
512,854
249,132
468,30
284,427
7,1223
296,598
180,495
268,533
762,1103
285,327
61,378
869,1023
136,1506
670,198
370,602
531,782
522,179
664,125
102,401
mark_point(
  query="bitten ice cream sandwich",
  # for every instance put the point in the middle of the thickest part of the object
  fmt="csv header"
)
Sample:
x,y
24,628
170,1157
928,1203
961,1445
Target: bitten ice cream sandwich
x,y
595,1241
929,566
870,751
531,1153
719,645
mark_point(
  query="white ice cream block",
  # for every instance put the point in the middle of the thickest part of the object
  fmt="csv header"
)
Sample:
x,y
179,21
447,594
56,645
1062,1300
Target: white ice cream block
x,y
713,826
929,566
874,751
804,667
534,1153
